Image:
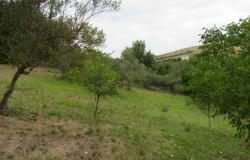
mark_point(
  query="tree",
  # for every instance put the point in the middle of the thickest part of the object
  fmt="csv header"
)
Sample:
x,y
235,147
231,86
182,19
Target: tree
x,y
150,74
138,48
148,59
100,78
129,68
128,55
170,75
161,68
234,93
31,32
26,38
202,84
227,50
130,72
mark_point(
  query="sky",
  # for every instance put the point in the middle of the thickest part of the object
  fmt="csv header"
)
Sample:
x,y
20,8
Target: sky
x,y
166,25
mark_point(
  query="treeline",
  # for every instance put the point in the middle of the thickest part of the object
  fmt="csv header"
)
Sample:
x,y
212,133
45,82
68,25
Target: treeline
x,y
137,67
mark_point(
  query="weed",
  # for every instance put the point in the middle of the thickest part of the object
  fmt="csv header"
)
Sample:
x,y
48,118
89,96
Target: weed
x,y
188,127
165,109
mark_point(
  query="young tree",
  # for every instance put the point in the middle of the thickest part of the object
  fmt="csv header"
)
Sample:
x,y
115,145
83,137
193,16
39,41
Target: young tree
x,y
227,48
233,94
100,78
202,84
31,32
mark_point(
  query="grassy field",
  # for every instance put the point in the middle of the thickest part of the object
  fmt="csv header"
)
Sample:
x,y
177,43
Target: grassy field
x,y
51,119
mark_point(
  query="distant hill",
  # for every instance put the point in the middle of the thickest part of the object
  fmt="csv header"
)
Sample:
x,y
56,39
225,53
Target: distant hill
x,y
183,54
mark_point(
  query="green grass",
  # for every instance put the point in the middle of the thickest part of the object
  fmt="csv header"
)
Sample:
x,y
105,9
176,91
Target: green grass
x,y
151,125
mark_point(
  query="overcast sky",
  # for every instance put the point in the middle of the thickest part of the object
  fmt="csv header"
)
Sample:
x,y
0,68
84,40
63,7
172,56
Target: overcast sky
x,y
166,25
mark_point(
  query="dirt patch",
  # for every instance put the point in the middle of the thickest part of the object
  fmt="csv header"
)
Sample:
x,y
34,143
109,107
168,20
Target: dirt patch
x,y
44,71
7,71
55,139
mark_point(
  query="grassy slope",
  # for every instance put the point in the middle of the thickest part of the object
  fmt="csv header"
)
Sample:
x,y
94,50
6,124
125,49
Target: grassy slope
x,y
51,119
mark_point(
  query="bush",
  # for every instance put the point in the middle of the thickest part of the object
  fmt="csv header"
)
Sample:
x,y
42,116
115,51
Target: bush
x,y
99,77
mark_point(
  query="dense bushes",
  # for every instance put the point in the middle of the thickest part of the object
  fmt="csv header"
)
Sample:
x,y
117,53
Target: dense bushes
x,y
142,71
164,75
168,75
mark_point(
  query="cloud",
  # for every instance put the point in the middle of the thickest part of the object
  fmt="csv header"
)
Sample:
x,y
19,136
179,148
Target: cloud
x,y
166,25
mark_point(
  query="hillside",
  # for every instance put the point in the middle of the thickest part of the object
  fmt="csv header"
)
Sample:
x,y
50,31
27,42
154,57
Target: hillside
x,y
51,119
183,54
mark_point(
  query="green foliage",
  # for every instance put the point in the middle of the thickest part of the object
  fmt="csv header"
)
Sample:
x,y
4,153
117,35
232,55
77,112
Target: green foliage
x,y
162,67
137,67
221,75
35,33
167,75
99,76
128,55
138,52
139,48
3,58
234,93
130,70
26,34
202,83
148,59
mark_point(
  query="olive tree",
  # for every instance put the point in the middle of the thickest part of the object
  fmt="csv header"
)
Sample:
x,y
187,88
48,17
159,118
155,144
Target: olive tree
x,y
27,38
99,77
33,31
139,52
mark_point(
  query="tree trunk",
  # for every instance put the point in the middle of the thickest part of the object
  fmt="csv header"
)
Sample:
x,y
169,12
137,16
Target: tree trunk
x,y
11,88
97,98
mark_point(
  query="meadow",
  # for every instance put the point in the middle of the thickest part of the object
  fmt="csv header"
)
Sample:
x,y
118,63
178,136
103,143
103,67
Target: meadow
x,y
52,119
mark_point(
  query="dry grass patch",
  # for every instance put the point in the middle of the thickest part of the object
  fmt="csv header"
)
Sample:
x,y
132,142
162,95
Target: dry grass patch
x,y
55,139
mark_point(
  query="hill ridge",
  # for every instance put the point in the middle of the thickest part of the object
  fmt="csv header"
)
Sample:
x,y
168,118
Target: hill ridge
x,y
183,54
